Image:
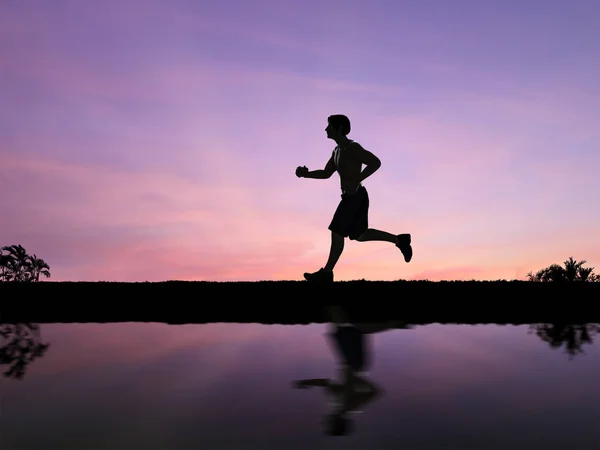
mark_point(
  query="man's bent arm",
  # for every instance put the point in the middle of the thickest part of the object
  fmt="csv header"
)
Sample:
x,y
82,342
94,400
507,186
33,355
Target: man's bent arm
x,y
368,171
372,163
324,382
317,174
325,173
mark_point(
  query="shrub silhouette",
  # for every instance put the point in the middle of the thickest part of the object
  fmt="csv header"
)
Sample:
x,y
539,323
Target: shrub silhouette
x,y
573,270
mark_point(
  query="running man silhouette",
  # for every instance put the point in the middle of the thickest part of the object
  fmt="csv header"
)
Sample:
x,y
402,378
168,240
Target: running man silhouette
x,y
351,218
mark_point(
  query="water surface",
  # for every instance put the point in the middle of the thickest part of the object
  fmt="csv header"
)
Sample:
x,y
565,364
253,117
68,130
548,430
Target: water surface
x,y
230,386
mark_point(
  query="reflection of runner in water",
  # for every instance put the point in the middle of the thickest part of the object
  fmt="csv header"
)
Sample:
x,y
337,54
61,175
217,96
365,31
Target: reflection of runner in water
x,y
353,391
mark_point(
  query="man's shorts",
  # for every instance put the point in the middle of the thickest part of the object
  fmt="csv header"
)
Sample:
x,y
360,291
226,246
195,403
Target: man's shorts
x,y
351,217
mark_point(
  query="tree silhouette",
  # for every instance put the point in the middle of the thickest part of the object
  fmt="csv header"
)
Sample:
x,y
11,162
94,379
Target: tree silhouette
x,y
573,270
571,336
38,267
20,345
4,261
17,265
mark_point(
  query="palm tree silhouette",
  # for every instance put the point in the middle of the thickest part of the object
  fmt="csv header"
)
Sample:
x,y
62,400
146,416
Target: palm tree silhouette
x,y
573,270
37,267
571,336
4,261
20,345
17,265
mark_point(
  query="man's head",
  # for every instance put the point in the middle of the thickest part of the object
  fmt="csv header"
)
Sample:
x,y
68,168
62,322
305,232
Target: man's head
x,y
338,126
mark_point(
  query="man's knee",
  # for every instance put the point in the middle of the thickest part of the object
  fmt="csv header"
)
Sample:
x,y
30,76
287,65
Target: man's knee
x,y
357,238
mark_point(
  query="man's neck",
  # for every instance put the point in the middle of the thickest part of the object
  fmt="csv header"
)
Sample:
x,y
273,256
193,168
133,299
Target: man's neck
x,y
342,142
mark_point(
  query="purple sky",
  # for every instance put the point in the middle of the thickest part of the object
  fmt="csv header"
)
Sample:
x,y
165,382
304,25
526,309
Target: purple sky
x,y
155,140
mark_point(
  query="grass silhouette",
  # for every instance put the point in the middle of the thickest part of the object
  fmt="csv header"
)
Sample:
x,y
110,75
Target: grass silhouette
x,y
298,302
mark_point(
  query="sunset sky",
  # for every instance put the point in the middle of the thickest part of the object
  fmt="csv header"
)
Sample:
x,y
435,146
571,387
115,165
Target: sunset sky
x,y
158,139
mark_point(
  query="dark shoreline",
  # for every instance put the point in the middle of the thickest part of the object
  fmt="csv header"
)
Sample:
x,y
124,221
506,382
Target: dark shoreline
x,y
295,302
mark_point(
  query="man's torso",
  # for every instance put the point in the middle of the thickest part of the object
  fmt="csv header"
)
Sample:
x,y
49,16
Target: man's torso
x,y
347,163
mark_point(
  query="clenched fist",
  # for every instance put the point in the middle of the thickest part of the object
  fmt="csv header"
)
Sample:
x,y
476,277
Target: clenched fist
x,y
301,171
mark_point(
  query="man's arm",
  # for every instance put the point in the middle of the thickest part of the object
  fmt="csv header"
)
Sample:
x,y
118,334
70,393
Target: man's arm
x,y
324,173
302,384
371,162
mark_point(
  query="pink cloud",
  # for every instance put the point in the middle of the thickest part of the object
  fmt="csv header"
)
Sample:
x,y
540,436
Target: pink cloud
x,y
119,225
98,223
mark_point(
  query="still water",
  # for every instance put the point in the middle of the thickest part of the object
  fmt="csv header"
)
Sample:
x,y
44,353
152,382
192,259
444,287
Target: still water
x,y
233,386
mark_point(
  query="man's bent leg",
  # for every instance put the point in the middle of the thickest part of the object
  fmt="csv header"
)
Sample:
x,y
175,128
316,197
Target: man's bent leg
x,y
337,247
371,234
402,241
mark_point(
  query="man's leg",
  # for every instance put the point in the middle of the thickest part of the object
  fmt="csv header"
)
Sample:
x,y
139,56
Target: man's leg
x,y
325,274
335,251
371,234
402,241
